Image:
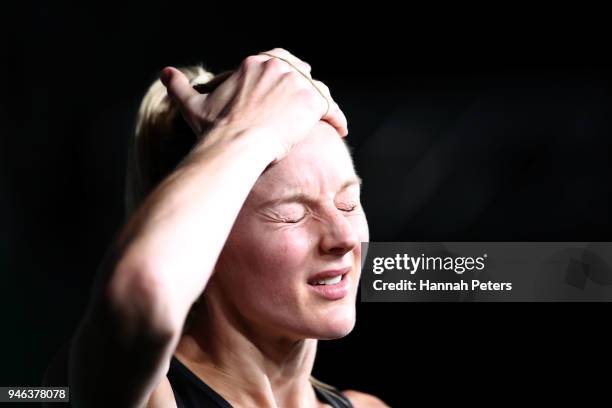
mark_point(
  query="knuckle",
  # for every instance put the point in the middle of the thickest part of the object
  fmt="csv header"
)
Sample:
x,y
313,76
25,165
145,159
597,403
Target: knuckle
x,y
275,65
249,62
323,87
297,80
336,109
293,78
282,50
287,54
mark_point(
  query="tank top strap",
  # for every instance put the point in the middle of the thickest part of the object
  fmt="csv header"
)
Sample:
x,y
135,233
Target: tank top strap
x,y
332,396
190,391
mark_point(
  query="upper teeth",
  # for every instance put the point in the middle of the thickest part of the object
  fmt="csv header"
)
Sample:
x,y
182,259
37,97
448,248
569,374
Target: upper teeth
x,y
330,281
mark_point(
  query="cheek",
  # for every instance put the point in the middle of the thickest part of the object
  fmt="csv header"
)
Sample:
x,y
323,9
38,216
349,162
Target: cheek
x,y
360,226
273,260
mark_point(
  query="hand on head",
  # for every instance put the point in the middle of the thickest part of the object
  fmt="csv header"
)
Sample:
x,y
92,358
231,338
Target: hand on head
x,y
275,95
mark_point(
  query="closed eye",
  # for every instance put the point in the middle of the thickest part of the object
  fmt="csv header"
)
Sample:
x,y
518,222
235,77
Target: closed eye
x,y
294,220
349,208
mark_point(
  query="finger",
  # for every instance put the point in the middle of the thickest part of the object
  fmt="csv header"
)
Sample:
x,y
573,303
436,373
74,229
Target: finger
x,y
303,66
184,95
178,86
334,116
337,119
291,57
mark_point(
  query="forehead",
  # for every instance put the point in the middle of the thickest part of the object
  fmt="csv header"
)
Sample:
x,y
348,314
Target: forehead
x,y
318,164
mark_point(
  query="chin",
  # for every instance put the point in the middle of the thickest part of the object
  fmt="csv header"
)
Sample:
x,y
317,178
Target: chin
x,y
336,324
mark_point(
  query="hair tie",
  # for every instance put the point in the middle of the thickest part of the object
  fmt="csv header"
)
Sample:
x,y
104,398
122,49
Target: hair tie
x,y
304,75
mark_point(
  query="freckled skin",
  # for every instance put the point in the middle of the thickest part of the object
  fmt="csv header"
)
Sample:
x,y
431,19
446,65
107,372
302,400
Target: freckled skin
x,y
263,269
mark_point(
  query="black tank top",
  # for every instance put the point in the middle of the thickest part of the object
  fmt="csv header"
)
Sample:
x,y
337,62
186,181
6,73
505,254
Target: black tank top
x,y
190,391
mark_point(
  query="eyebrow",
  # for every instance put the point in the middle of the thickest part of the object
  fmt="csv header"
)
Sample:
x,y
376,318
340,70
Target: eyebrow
x,y
302,197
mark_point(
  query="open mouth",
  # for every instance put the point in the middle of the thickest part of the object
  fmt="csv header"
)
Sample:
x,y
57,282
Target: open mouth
x,y
329,281
332,288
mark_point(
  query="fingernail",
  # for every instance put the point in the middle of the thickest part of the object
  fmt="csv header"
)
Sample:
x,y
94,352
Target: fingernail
x,y
165,76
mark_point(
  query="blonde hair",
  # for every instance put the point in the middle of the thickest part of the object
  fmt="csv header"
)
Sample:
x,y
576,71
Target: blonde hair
x,y
161,138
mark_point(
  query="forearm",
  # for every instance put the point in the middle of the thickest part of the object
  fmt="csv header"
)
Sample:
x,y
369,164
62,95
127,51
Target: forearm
x,y
178,233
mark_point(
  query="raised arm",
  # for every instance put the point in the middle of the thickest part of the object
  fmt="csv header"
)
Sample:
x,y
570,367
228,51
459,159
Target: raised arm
x,y
163,258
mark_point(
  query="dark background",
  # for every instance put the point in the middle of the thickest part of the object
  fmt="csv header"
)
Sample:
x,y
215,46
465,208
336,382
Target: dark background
x,y
490,128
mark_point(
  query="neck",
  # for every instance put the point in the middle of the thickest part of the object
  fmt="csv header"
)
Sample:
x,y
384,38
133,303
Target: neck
x,y
247,365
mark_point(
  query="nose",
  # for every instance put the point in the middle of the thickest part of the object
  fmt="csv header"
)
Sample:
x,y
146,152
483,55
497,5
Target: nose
x,y
339,236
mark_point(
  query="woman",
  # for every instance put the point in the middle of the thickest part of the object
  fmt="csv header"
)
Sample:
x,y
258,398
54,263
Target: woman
x,y
253,240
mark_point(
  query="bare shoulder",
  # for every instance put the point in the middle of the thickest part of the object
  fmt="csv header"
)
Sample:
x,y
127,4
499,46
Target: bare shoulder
x,y
162,396
363,400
